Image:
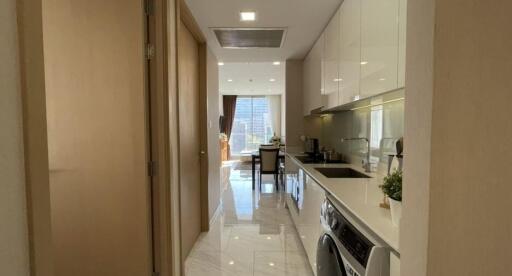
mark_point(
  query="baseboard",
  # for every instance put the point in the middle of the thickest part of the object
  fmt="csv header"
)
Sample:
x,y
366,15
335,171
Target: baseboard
x,y
217,213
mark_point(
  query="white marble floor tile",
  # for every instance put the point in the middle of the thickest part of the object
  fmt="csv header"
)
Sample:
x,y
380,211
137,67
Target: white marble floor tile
x,y
216,263
215,240
254,235
281,263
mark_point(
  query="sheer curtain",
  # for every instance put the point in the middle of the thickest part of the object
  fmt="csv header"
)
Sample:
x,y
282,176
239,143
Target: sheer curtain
x,y
274,104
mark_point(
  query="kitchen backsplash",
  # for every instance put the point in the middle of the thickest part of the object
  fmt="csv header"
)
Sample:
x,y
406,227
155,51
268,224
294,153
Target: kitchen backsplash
x,y
381,124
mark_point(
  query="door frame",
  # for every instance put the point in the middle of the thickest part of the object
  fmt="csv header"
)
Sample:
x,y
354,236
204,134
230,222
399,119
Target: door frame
x,y
163,77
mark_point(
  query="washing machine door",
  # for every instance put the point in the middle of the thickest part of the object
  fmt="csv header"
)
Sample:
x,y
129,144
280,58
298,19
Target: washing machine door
x,y
328,258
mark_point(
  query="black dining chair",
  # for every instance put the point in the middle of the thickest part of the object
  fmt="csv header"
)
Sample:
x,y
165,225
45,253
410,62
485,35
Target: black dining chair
x,y
269,164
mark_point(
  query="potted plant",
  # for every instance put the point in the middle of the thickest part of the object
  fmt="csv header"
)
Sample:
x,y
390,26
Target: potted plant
x,y
392,188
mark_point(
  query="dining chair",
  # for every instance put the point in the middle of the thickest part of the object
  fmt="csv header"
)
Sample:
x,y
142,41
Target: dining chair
x,y
269,164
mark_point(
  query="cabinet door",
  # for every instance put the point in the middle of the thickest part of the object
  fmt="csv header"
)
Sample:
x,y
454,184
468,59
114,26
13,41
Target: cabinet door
x,y
350,50
315,77
331,59
308,225
379,46
306,85
402,29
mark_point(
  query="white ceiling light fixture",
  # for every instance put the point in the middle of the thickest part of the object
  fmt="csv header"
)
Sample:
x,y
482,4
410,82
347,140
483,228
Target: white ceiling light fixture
x,y
272,80
220,63
230,80
276,63
364,62
247,16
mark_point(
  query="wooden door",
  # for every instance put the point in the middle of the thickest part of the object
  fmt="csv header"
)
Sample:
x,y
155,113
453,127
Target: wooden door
x,y
97,135
190,142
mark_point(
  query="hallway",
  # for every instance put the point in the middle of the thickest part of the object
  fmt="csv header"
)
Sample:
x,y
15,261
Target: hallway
x,y
254,235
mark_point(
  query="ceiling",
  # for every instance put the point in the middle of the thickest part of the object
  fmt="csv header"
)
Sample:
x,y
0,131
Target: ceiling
x,y
251,78
304,20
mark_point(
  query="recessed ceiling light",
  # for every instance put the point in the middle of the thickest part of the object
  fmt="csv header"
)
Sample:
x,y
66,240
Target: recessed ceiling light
x,y
247,16
382,79
364,62
221,63
230,80
271,264
276,63
337,80
231,262
272,80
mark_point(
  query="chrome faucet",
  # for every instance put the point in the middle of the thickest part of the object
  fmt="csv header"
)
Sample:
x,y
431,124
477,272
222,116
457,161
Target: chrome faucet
x,y
366,166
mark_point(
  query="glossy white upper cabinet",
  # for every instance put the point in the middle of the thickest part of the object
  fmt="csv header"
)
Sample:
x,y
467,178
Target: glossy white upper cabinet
x,y
331,61
402,23
306,84
312,78
350,51
379,46
363,54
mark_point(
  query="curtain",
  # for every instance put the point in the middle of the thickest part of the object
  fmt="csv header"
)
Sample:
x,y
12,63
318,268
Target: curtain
x,y
274,104
229,107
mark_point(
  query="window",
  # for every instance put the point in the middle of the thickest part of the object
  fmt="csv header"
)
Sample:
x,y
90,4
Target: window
x,y
252,125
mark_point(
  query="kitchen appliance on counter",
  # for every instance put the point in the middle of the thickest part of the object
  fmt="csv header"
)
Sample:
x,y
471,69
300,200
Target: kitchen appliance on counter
x,y
345,249
312,146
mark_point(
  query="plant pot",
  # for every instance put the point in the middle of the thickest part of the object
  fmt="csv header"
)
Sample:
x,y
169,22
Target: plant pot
x,y
396,211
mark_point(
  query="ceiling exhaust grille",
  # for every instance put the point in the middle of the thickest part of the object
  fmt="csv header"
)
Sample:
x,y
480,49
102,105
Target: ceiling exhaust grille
x,y
243,38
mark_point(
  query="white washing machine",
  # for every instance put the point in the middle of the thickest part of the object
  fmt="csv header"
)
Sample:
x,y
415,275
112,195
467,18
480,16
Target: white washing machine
x,y
345,249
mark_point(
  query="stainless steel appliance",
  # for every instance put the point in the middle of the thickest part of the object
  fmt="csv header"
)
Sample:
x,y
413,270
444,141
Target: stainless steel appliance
x,y
312,146
345,249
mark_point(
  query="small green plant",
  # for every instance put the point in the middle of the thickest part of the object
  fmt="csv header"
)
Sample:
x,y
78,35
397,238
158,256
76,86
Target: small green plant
x,y
392,186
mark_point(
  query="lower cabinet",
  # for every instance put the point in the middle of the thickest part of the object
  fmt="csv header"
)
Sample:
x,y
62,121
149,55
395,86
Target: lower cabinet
x,y
304,200
307,198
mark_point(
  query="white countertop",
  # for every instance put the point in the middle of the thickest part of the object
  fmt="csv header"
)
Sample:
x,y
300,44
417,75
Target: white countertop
x,y
360,196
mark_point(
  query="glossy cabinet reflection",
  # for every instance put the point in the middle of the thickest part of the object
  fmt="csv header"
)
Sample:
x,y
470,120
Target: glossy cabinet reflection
x,y
379,46
312,77
331,61
402,29
350,50
308,219
363,54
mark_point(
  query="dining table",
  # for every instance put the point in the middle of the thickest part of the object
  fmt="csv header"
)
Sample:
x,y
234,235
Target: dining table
x,y
255,157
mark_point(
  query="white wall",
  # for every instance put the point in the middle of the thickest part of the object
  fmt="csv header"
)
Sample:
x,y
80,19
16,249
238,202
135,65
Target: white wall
x,y
214,163
294,124
458,139
14,258
470,223
417,145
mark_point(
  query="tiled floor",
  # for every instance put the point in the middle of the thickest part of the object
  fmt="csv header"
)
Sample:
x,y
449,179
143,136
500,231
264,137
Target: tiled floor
x,y
253,236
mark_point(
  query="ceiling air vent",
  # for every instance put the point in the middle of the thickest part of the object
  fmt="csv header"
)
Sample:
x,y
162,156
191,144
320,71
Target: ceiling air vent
x,y
243,38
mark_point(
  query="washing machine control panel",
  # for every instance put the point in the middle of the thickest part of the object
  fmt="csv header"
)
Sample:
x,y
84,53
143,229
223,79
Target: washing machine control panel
x,y
354,241
350,271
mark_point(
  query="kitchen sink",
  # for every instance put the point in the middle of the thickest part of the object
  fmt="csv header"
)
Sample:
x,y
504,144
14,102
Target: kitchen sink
x,y
341,173
312,160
